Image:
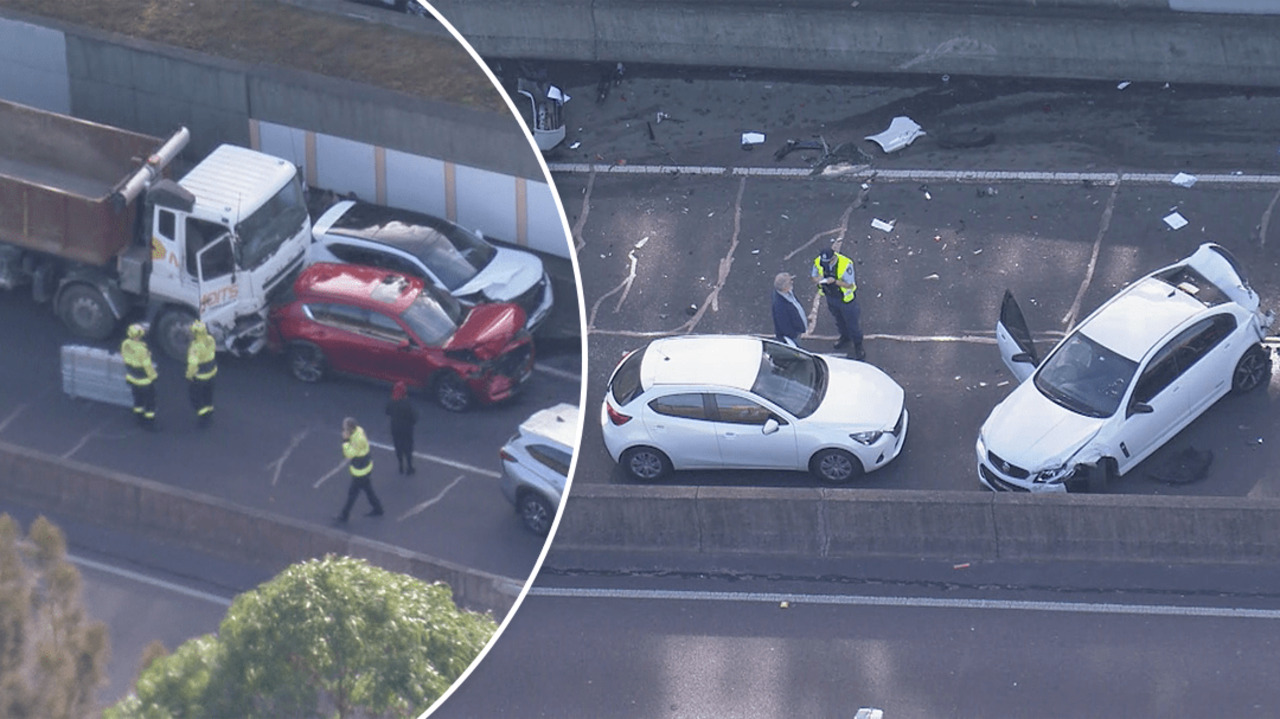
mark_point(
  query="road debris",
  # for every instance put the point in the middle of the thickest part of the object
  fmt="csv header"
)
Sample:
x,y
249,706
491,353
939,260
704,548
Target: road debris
x,y
791,145
925,190
1123,85
1175,220
883,226
962,565
642,242
902,132
751,139
547,105
1182,179
987,191
934,276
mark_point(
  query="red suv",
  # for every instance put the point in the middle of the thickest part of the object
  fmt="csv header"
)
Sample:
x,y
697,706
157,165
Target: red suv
x,y
365,321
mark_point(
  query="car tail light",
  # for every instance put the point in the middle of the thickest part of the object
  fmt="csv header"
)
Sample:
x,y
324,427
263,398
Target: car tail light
x,y
617,417
506,456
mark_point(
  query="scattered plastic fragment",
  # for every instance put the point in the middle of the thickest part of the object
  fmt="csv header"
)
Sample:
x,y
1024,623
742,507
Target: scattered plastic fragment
x,y
987,191
576,144
784,604
962,565
934,276
882,225
1182,179
642,241
1123,85
902,132
751,139
1175,220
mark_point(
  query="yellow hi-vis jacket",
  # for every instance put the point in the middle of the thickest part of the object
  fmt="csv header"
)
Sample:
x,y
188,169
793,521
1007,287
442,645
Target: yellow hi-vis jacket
x,y
201,363
843,264
137,362
356,449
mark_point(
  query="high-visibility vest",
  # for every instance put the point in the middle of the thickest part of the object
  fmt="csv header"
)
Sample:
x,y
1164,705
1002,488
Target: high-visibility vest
x,y
356,449
842,265
201,362
137,362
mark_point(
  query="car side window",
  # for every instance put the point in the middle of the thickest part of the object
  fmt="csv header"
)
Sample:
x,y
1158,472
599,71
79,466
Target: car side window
x,y
1202,337
350,255
343,317
738,410
555,459
688,405
384,328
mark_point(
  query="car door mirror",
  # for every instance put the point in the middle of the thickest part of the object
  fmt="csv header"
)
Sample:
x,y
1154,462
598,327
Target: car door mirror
x,y
1140,408
1023,357
770,426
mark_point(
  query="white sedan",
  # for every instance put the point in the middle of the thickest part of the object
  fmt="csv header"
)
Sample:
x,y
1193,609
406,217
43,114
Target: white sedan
x,y
1126,380
704,402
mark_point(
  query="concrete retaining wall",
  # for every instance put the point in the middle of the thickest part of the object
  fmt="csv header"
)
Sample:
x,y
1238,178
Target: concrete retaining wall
x,y
220,528
963,526
1139,40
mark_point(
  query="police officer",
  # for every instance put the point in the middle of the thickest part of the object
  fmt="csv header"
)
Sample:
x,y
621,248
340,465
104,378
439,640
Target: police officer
x,y
833,273
140,373
355,447
202,367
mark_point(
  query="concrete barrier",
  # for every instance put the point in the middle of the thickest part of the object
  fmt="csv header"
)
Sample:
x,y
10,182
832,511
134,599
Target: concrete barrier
x,y
1138,40
221,528
963,526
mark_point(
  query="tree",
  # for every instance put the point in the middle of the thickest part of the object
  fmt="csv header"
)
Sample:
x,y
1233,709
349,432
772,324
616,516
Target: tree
x,y
334,637
52,655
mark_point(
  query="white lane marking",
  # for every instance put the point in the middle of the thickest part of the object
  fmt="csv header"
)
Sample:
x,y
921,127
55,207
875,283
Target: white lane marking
x,y
1070,319
152,581
972,338
867,172
558,373
95,432
12,416
443,460
332,472
579,242
433,500
279,463
1262,228
910,602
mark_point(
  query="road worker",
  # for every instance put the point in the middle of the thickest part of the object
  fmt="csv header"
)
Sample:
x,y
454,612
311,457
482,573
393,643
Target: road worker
x,y
202,367
355,447
140,373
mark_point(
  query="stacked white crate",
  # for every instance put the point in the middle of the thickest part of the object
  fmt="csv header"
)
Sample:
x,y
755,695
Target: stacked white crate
x,y
96,374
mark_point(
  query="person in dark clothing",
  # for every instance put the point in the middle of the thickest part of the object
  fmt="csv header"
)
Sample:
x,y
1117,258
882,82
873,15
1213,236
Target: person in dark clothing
x,y
403,418
834,275
788,316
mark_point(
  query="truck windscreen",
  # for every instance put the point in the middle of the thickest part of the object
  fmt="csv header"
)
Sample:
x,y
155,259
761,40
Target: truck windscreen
x,y
262,233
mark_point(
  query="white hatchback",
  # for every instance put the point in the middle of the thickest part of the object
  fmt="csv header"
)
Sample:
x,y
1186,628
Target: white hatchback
x,y
1126,380
705,401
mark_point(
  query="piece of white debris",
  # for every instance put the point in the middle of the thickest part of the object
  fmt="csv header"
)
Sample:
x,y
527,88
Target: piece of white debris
x,y
576,144
902,132
978,251
755,252
882,225
1123,85
750,139
933,276
642,241
1182,179
1175,220
1002,384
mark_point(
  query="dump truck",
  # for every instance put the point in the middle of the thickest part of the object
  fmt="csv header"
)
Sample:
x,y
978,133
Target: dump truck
x,y
91,222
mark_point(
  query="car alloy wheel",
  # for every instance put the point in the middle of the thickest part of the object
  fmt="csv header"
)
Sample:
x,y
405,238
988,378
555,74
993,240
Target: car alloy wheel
x,y
835,466
1252,371
645,463
306,362
537,513
452,393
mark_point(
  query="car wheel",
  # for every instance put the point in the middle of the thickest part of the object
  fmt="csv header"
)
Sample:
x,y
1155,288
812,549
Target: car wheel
x,y
452,393
645,463
173,333
306,362
835,466
1252,371
537,513
86,313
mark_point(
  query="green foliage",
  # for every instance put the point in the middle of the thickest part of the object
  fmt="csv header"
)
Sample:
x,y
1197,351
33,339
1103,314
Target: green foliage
x,y
52,655
326,638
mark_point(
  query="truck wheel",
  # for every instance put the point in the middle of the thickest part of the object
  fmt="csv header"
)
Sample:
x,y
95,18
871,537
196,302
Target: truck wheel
x,y
86,313
173,332
452,393
306,362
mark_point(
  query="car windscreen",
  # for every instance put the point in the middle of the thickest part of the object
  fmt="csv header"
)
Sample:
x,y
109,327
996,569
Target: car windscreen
x,y
1083,376
626,379
791,379
430,320
264,231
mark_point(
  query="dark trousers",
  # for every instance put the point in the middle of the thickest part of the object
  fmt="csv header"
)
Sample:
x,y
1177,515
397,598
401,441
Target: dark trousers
x,y
144,401
848,318
358,485
403,443
201,393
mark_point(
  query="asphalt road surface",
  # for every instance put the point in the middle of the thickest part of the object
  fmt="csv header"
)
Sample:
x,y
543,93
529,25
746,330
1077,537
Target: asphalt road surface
x,y
680,230
275,444
918,640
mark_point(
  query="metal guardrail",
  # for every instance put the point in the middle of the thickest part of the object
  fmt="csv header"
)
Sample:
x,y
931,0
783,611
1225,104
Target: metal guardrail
x,y
96,374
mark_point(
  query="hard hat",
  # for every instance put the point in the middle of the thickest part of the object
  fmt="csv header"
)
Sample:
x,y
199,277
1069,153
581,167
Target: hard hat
x,y
137,331
197,328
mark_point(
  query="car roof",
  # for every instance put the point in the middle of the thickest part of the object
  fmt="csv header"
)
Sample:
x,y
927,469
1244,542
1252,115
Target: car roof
x,y
368,287
1132,322
558,424
718,360
391,226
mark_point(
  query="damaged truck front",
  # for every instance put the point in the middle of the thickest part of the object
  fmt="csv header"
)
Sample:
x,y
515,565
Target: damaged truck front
x,y
90,223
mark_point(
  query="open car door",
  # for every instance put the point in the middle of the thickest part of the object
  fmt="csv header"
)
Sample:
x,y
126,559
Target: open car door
x,y
1014,339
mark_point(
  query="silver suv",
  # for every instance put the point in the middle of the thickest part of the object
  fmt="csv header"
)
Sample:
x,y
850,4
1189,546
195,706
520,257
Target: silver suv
x,y
535,465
